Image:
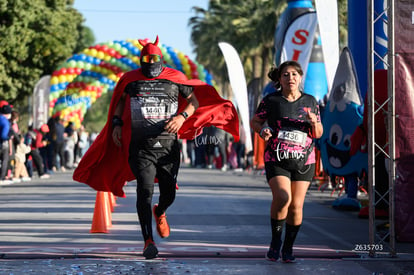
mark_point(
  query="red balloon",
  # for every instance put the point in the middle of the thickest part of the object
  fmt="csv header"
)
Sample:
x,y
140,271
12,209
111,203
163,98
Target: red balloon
x,y
63,71
111,52
104,48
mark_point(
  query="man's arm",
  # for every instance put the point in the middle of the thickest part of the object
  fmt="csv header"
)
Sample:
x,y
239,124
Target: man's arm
x,y
175,123
192,105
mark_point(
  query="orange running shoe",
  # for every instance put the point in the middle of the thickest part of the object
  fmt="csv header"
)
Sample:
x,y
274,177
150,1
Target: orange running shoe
x,y
150,250
163,228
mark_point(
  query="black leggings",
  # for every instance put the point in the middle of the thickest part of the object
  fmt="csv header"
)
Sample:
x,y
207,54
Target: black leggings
x,y
146,164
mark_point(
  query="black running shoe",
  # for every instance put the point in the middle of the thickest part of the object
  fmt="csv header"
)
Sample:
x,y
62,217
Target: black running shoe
x,y
150,250
272,255
287,257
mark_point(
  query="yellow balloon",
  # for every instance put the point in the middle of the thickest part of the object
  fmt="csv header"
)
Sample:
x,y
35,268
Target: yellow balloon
x,y
62,78
187,68
54,80
112,77
107,57
136,60
93,52
70,77
100,55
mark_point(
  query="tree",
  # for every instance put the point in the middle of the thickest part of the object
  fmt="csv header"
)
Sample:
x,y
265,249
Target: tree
x,y
36,37
248,25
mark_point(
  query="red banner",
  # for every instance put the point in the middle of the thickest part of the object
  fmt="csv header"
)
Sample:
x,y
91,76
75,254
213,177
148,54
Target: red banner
x,y
404,78
404,119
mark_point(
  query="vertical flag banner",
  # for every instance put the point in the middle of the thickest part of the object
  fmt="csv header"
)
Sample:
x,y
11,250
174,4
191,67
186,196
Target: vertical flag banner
x,y
404,119
380,35
295,33
239,87
41,102
327,13
357,40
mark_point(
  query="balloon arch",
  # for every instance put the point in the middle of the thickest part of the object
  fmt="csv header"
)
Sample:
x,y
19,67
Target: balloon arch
x,y
86,76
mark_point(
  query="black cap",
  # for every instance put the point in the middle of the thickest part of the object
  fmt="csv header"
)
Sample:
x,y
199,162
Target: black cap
x,y
6,109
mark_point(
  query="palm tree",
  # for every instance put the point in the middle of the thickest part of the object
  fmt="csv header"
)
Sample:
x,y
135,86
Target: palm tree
x,y
248,25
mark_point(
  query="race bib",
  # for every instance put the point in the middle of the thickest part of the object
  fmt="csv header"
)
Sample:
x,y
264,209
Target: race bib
x,y
154,111
293,137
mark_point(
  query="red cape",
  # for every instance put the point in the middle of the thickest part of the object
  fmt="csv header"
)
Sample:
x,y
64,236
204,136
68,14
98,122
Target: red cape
x,y
104,167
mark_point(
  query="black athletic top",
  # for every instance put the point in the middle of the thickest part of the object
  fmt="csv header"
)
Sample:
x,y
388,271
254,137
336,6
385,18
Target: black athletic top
x,y
288,122
153,102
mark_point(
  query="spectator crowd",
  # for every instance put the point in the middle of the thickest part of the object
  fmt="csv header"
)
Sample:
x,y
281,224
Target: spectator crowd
x,y
37,152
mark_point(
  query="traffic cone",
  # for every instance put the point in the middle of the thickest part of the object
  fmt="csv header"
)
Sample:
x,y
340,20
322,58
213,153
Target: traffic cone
x,y
112,201
108,211
100,216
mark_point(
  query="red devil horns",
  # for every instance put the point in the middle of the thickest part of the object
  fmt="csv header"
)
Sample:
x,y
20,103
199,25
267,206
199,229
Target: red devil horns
x,y
146,41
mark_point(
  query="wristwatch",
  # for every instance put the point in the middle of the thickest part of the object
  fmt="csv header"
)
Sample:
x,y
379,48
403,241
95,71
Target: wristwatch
x,y
184,114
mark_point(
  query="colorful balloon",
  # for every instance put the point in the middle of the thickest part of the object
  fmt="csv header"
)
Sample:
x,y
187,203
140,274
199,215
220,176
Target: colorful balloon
x,y
85,76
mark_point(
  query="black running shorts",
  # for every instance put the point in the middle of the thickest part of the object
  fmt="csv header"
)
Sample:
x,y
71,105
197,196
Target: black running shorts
x,y
305,174
155,153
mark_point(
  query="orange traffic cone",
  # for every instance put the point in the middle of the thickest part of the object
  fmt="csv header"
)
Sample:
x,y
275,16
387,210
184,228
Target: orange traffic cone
x,y
108,210
112,201
100,214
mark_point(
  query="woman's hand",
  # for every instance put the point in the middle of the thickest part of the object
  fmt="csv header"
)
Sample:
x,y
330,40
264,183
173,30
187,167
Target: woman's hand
x,y
317,128
311,117
266,133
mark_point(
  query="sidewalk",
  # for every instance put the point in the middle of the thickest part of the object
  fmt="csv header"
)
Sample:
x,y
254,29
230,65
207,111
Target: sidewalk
x,y
219,225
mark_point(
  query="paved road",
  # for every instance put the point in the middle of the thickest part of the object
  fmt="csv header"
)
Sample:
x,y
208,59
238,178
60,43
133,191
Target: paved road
x,y
220,224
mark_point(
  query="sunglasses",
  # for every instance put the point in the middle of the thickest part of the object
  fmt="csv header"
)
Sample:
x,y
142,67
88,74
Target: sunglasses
x,y
151,58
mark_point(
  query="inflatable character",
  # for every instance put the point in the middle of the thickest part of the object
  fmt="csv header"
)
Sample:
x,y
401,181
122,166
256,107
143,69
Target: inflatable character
x,y
341,115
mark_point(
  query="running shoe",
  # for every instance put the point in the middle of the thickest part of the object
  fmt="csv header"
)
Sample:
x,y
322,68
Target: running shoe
x,y
287,257
150,250
163,228
272,255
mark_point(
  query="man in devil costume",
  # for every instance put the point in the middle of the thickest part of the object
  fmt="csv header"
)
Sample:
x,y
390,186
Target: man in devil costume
x,y
151,108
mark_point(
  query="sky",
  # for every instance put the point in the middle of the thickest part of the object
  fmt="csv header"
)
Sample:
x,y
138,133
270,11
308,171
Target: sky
x,y
131,19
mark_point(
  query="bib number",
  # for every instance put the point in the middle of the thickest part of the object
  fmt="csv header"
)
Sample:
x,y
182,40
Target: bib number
x,y
293,137
154,112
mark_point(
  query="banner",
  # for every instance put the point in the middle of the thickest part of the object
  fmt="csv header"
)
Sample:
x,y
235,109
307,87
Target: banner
x,y
295,33
239,87
404,75
41,102
327,13
404,119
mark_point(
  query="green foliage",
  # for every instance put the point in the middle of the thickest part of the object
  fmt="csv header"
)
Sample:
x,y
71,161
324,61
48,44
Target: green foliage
x,y
97,114
248,25
36,36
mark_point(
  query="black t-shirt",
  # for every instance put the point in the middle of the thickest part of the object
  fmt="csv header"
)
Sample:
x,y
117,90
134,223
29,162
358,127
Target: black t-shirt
x,y
287,117
153,102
